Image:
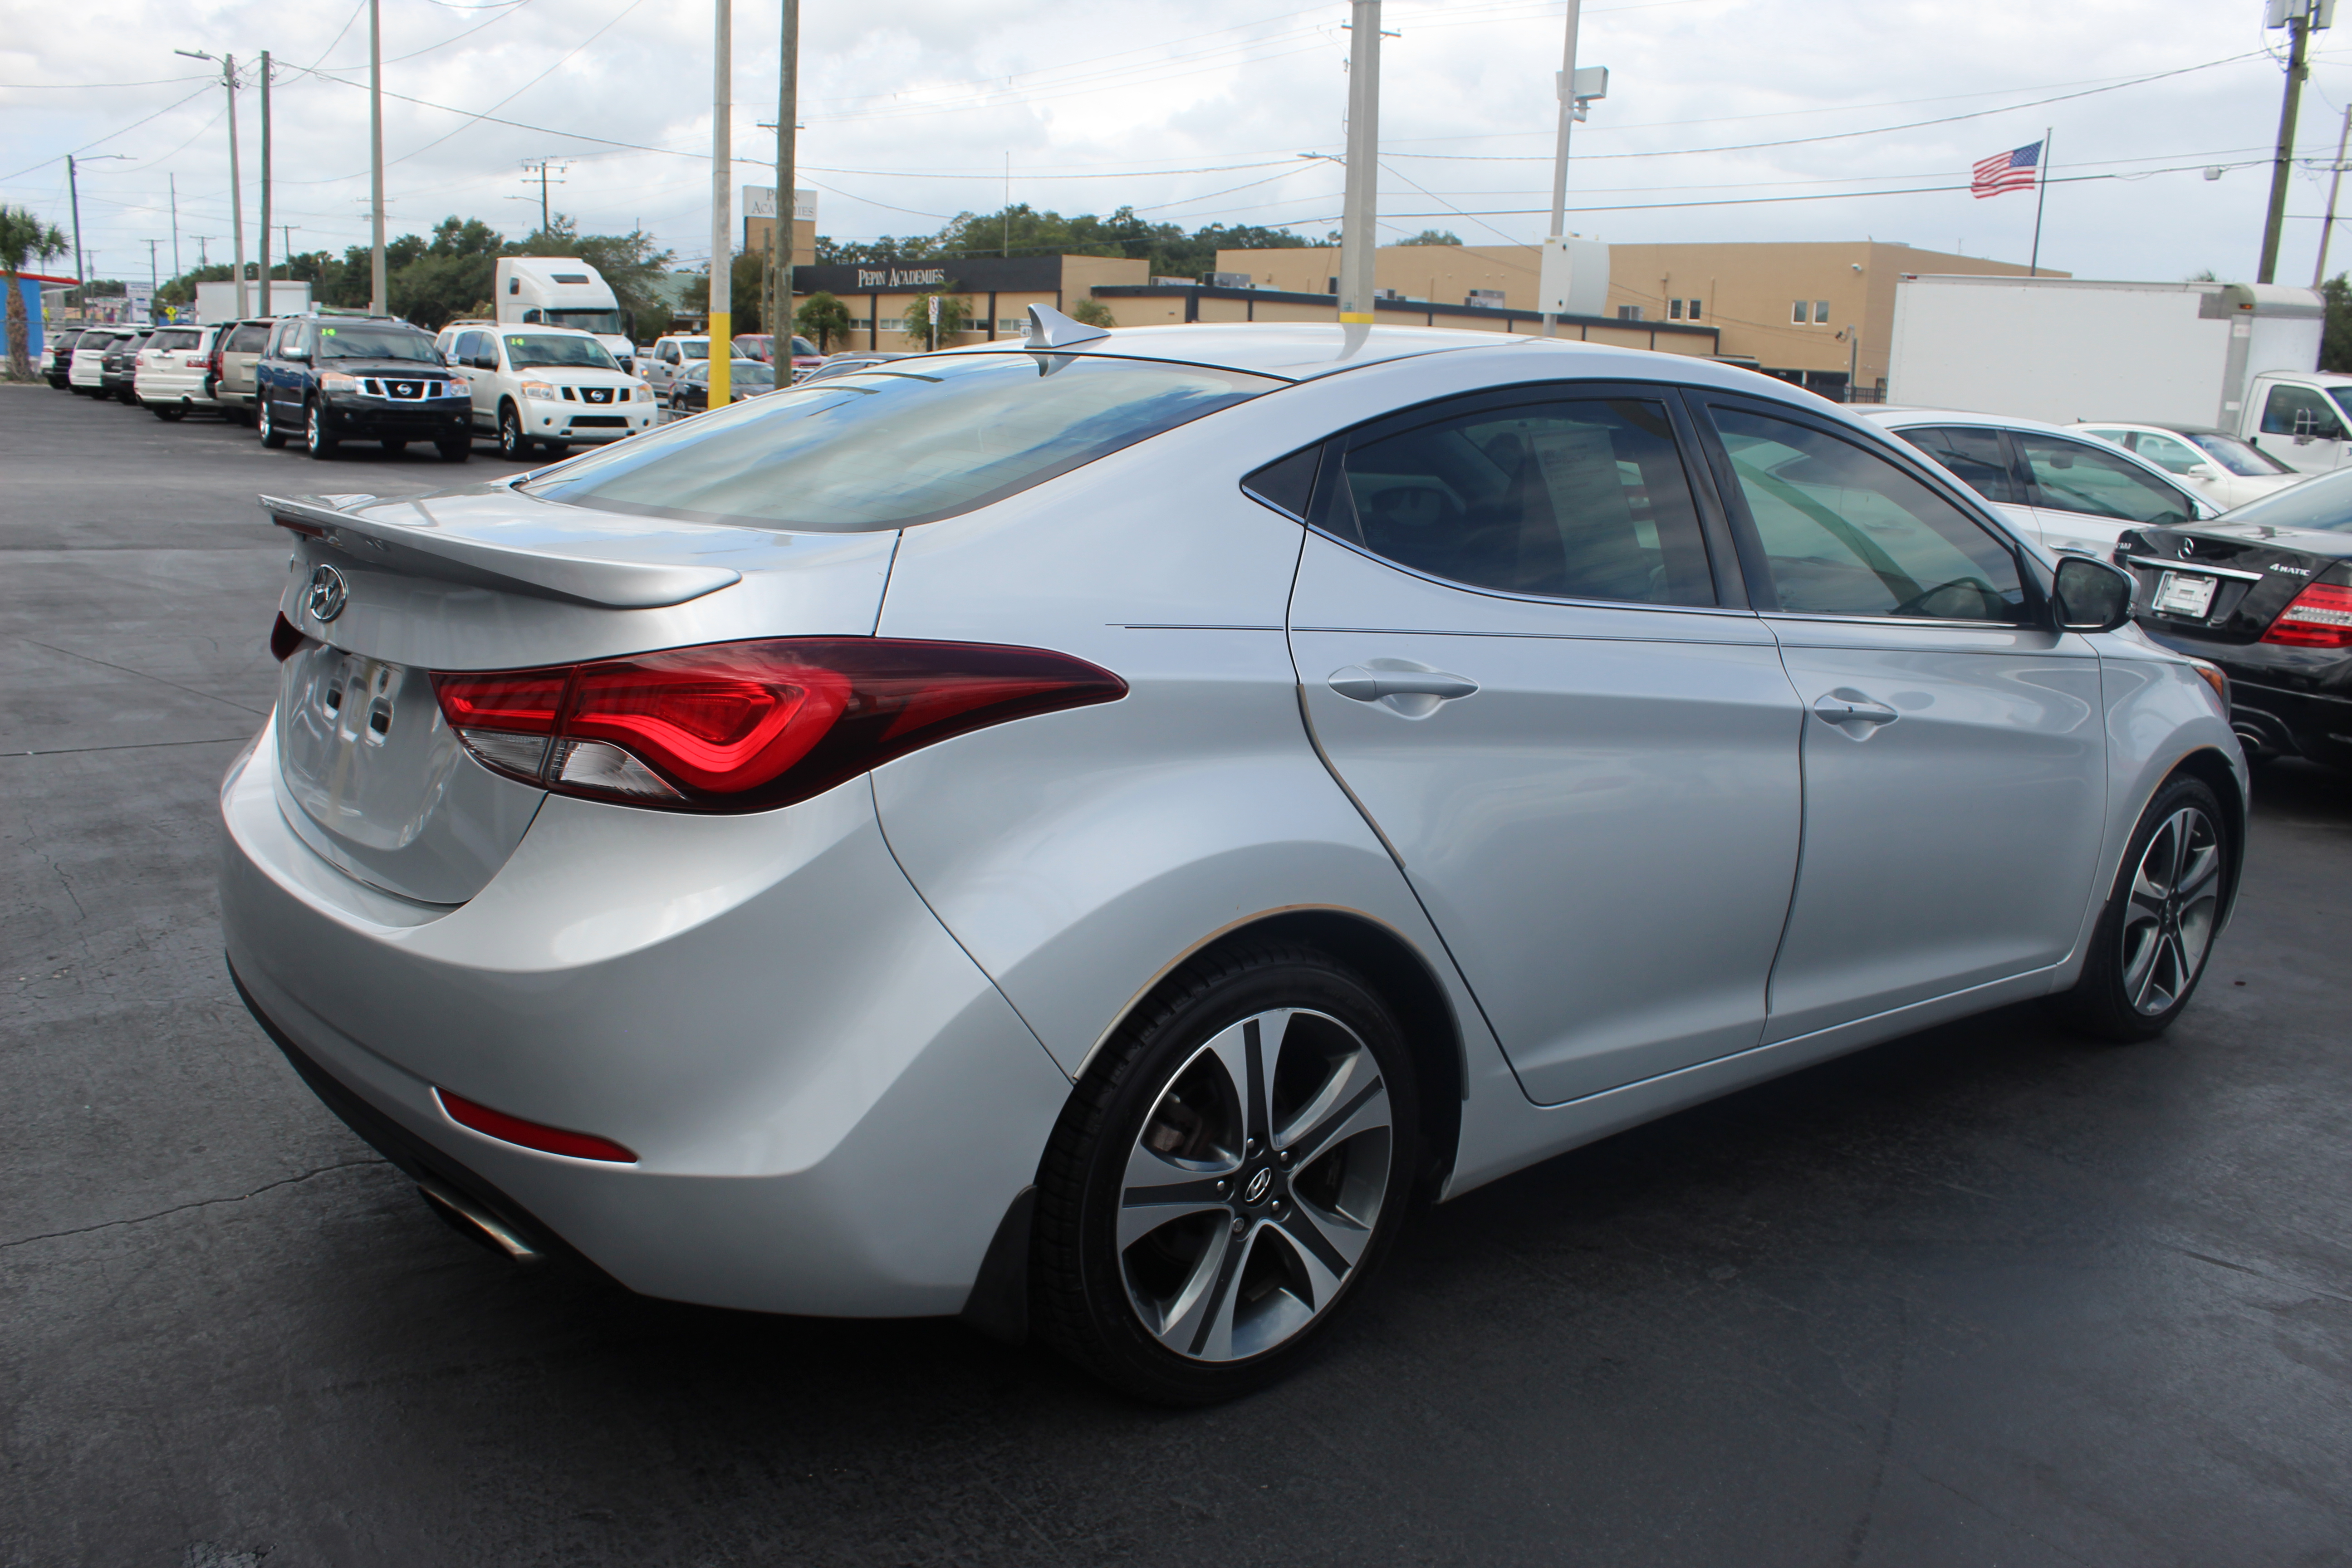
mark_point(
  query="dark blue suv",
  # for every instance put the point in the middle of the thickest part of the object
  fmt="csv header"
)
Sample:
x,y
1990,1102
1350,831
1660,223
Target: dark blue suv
x,y
324,380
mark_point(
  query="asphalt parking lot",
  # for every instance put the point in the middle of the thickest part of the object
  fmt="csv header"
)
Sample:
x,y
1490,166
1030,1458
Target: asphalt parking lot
x,y
1984,1295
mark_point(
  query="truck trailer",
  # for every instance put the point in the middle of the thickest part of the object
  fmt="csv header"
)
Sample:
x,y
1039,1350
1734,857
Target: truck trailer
x,y
2240,357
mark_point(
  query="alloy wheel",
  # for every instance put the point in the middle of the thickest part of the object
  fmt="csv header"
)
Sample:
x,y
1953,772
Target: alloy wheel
x,y
1254,1184
2176,895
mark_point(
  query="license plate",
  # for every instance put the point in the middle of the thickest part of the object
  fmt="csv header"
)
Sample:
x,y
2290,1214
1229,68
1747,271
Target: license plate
x,y
2185,593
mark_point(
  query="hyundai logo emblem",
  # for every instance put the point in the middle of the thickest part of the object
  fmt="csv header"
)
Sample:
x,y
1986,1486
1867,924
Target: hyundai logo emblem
x,y
1256,1191
328,595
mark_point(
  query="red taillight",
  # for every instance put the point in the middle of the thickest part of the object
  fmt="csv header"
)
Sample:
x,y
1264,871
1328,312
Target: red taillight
x,y
751,725
2320,617
285,638
532,1134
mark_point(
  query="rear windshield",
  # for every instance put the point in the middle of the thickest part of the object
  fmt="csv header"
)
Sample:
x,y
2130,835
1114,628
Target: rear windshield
x,y
910,442
376,343
174,340
2324,503
529,349
2236,456
248,338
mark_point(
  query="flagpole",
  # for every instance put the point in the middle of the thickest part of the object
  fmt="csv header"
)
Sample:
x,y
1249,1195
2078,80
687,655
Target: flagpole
x,y
2041,188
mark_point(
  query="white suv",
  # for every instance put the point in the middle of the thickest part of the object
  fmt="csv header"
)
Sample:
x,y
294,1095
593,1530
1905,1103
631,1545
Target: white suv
x,y
670,358
175,371
546,387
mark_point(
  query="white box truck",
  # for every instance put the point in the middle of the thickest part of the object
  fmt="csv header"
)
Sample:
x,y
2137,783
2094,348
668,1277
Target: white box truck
x,y
217,302
562,291
2240,357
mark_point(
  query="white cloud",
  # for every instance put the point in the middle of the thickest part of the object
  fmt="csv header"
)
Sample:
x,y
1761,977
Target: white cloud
x,y
912,109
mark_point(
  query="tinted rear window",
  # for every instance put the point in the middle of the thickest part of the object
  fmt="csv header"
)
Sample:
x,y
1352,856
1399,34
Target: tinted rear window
x,y
2324,503
248,339
906,443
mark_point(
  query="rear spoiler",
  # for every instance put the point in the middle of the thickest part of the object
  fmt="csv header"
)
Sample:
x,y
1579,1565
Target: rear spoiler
x,y
422,549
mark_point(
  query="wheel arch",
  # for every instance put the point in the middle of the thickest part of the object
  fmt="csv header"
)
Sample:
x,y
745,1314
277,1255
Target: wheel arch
x,y
2207,765
1390,965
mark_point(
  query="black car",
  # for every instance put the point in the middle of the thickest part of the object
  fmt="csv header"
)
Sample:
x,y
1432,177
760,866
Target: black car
x,y
2266,592
122,364
746,378
324,380
61,356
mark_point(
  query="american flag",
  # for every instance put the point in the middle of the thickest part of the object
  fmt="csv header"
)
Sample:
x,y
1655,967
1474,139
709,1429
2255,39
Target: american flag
x,y
2012,171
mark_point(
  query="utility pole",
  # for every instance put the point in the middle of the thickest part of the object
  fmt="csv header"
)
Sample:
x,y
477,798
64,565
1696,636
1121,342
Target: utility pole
x,y
2298,18
546,212
2328,224
776,302
265,185
380,293
154,284
175,224
722,250
235,203
1559,229
1361,203
204,253
73,185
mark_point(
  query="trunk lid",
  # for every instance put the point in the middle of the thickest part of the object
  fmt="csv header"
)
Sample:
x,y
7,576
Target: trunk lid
x,y
371,775
2256,571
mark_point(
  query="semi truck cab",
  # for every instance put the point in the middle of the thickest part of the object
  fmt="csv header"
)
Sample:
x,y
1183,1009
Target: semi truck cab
x,y
563,292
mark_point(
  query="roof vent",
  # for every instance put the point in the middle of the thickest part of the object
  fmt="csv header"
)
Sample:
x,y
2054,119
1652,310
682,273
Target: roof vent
x,y
1049,329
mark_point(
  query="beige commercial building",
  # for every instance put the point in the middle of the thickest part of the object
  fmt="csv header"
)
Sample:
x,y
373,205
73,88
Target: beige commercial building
x,y
1812,314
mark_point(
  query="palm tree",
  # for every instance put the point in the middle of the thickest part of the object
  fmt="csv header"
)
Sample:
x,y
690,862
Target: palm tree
x,y
23,238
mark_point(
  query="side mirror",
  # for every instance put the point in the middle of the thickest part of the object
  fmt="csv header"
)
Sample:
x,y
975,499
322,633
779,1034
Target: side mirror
x,y
297,352
486,362
2092,596
2203,471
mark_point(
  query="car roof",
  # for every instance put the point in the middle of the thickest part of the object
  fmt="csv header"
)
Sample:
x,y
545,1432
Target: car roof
x,y
2158,426
1896,417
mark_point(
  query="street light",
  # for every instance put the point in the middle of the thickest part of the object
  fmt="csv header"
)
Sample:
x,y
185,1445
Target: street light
x,y
227,64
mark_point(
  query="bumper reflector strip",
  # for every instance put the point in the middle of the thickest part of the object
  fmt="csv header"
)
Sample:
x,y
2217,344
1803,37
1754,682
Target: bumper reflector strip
x,y
531,1135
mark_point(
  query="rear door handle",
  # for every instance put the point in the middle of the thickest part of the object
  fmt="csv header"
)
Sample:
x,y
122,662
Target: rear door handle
x,y
1839,708
1371,685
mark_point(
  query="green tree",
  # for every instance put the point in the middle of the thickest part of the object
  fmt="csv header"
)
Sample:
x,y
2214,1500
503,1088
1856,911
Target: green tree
x,y
2335,333
23,237
824,318
744,275
954,314
1434,237
1094,313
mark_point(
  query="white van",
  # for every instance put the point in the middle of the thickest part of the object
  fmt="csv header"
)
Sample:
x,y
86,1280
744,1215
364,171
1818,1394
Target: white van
x,y
562,291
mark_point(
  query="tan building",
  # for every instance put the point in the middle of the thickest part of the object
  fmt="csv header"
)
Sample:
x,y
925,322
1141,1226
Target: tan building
x,y
1809,312
998,291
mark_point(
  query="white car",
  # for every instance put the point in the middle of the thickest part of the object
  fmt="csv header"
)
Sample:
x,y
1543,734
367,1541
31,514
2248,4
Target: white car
x,y
669,358
2051,484
86,372
1080,831
2228,471
174,373
546,388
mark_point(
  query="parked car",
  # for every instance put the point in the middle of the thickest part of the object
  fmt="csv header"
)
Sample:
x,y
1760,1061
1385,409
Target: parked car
x,y
668,358
746,378
121,364
327,379
2049,483
844,363
2226,470
2265,592
761,346
546,388
239,351
174,372
59,366
85,372
1290,770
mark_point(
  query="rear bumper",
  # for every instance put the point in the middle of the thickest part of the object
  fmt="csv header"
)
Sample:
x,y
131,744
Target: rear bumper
x,y
831,1106
2297,723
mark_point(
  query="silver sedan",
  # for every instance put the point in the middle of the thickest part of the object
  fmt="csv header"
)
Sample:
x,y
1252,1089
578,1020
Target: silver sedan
x,y
1080,832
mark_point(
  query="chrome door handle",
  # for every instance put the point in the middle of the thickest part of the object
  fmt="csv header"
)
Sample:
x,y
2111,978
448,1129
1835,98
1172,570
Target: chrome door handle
x,y
1835,708
1371,685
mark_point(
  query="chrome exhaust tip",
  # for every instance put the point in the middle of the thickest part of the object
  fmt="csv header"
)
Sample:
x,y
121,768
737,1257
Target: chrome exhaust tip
x,y
471,1222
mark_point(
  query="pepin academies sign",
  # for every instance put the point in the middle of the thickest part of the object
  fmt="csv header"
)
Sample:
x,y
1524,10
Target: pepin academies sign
x,y
760,201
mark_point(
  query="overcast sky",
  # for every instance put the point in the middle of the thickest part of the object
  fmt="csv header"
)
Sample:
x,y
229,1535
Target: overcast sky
x,y
1196,111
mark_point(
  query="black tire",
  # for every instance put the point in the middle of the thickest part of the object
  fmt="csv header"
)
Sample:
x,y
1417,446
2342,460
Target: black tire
x,y
455,452
168,412
513,443
555,448
128,398
1240,1256
2155,935
271,435
316,442
394,447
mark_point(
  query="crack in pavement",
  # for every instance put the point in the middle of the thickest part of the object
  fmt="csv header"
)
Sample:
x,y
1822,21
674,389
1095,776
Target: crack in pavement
x,y
143,674
128,746
199,1204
